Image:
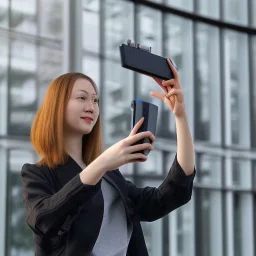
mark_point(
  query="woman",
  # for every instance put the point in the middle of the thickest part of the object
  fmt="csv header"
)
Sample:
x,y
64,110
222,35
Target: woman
x,y
78,203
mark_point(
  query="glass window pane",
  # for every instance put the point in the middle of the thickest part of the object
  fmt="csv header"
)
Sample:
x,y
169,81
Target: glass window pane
x,y
208,8
243,224
210,170
178,45
24,16
3,84
209,222
181,230
51,18
236,11
207,89
50,67
4,13
149,31
118,26
23,91
153,231
237,108
241,173
153,166
118,94
253,13
253,74
181,4
91,67
91,25
19,235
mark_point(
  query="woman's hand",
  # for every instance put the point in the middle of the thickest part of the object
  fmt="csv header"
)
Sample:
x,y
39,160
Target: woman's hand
x,y
173,95
124,151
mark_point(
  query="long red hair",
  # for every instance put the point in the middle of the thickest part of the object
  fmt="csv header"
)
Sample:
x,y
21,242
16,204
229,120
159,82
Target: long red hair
x,y
47,132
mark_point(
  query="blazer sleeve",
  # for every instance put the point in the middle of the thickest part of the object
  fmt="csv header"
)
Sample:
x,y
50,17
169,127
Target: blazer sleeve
x,y
47,210
153,203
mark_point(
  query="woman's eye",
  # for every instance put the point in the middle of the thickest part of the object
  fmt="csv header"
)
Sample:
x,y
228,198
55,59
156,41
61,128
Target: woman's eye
x,y
82,98
96,100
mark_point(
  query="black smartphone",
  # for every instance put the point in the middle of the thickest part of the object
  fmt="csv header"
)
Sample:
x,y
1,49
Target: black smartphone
x,y
149,111
139,58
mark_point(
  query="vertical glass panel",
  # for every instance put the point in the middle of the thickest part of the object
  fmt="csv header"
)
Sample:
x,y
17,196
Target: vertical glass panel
x,y
149,28
153,166
153,230
3,84
236,11
19,235
4,13
24,16
118,26
181,228
91,67
243,224
91,25
253,13
207,89
237,108
253,75
181,4
178,45
23,92
50,67
209,222
210,9
241,173
210,170
51,18
118,94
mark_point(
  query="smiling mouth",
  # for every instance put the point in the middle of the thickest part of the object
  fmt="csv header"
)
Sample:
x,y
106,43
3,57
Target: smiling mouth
x,y
87,119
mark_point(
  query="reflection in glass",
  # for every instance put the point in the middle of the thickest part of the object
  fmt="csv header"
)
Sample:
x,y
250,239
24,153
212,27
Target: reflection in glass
x,y
243,224
119,24
153,231
19,235
91,25
51,18
207,87
118,94
237,108
91,67
23,87
24,16
181,4
241,173
208,222
210,169
4,7
50,67
153,166
178,46
3,84
208,8
236,11
253,74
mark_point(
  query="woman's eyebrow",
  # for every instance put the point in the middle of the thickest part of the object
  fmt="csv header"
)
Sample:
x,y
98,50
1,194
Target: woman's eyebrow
x,y
87,92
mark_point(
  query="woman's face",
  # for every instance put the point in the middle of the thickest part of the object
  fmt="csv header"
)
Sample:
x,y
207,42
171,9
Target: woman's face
x,y
82,109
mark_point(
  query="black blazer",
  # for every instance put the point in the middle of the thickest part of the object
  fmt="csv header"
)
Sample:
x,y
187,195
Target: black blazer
x,y
66,215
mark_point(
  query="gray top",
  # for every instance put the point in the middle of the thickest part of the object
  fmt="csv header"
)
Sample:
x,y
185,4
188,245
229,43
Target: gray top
x,y
115,232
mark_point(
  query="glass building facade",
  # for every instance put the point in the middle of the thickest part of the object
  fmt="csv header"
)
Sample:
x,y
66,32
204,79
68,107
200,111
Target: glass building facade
x,y
213,44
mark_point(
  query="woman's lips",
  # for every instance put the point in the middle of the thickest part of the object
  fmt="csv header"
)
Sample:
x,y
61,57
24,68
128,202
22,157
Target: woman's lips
x,y
87,119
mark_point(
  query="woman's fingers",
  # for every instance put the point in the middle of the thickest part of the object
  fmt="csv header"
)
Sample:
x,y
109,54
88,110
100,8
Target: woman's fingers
x,y
137,126
139,136
139,147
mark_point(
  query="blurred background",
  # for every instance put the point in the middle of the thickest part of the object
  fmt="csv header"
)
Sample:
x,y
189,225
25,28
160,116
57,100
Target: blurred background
x,y
213,43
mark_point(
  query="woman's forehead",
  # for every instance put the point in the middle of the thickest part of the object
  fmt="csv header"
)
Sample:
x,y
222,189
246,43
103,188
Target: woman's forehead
x,y
84,85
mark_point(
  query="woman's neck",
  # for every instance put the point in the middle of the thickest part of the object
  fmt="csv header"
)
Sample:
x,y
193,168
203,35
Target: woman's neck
x,y
73,147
